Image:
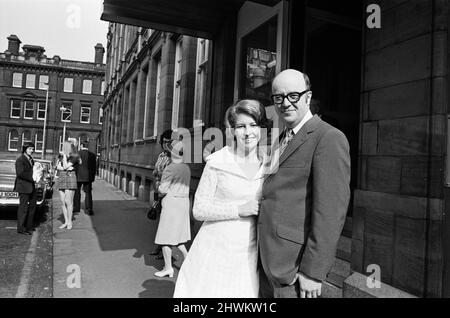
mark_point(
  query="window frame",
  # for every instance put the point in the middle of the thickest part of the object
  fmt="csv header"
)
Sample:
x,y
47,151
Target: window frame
x,y
15,81
37,142
25,109
177,84
38,110
90,88
42,85
69,106
23,137
11,108
29,81
9,140
69,80
84,107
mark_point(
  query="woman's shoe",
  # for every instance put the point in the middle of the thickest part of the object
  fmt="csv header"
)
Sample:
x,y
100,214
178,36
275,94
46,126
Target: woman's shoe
x,y
63,226
165,272
69,226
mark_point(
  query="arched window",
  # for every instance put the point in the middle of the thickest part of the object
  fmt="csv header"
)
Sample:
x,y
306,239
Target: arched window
x,y
13,140
39,141
26,136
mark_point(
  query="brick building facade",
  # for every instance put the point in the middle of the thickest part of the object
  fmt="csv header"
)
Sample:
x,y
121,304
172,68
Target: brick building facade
x,y
77,86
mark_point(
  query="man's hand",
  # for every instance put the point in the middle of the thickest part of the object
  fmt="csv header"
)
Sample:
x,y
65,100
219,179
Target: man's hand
x,y
309,287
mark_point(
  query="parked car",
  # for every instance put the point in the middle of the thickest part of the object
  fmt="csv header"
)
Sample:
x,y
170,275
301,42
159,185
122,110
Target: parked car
x,y
48,175
8,197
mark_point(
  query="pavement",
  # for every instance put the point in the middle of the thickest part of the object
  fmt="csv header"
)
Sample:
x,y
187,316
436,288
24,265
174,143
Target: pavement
x,y
107,254
26,261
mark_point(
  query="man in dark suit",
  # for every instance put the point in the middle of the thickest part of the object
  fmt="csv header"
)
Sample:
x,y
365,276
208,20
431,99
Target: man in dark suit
x,y
85,177
24,185
305,200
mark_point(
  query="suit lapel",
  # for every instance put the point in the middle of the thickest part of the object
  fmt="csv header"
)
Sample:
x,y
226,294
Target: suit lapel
x,y
26,160
300,138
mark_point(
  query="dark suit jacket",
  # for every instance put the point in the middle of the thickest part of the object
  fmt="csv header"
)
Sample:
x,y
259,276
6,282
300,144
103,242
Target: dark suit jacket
x,y
24,176
304,204
86,169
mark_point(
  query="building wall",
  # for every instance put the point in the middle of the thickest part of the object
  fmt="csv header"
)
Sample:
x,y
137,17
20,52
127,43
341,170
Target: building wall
x,y
398,206
57,70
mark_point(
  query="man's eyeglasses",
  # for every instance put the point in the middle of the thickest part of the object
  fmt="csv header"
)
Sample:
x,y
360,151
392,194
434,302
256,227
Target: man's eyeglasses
x,y
293,97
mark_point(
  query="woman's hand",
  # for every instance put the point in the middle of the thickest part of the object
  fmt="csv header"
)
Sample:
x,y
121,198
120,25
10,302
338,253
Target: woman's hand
x,y
250,208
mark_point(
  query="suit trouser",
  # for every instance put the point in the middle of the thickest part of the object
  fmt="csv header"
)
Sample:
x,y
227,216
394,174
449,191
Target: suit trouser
x,y
25,213
87,188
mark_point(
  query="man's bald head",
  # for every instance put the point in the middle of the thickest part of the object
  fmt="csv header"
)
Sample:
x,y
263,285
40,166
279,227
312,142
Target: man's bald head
x,y
293,77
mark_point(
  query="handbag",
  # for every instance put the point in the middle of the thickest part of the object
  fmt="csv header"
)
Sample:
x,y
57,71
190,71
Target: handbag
x,y
154,210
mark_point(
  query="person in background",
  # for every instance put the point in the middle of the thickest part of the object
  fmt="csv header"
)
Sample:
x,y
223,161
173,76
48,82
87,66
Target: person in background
x,y
85,177
162,162
67,181
24,185
174,224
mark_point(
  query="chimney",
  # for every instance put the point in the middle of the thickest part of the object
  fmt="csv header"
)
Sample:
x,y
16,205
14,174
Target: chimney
x,y
99,52
13,44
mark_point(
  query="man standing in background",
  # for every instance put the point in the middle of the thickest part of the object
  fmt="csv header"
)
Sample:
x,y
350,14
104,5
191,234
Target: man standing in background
x,y
24,184
85,177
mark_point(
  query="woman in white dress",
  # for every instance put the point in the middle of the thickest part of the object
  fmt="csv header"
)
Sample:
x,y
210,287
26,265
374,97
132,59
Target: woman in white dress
x,y
174,223
222,261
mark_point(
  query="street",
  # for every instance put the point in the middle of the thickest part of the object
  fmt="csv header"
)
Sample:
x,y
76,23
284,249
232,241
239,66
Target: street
x,y
104,255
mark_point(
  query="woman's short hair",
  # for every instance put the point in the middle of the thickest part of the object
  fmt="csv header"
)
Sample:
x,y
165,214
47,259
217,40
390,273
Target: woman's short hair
x,y
249,107
165,135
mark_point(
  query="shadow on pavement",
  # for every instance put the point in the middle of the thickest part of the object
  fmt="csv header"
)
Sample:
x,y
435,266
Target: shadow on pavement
x,y
155,288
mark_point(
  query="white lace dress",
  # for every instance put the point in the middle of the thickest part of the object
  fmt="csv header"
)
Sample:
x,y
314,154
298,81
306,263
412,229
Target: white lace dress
x,y
222,261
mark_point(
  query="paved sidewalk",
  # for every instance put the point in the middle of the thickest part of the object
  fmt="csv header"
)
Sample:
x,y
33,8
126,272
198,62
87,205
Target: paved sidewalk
x,y
110,249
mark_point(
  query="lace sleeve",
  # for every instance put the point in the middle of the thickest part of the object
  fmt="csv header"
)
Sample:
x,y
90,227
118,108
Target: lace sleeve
x,y
206,208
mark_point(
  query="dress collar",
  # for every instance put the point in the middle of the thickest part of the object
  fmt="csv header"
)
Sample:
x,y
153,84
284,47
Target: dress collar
x,y
226,160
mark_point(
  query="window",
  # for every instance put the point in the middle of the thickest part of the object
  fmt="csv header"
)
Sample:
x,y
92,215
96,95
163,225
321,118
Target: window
x,y
158,89
28,109
102,92
177,84
13,140
26,136
68,85
31,81
41,110
39,141
43,82
16,108
17,80
200,81
100,116
85,116
87,86
66,113
258,62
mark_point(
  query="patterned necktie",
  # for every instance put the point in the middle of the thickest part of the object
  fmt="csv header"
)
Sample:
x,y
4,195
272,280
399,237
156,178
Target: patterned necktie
x,y
287,138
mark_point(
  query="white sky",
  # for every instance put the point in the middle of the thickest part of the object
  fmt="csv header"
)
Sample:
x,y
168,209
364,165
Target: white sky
x,y
68,28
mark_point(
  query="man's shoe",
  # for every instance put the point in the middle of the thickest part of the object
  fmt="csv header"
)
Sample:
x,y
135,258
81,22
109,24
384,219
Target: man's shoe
x,y
90,212
24,232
